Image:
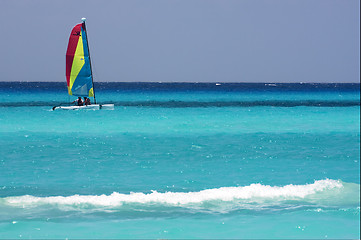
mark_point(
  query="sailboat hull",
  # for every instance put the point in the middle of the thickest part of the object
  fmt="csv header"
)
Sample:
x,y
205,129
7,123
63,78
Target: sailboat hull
x,y
107,106
89,107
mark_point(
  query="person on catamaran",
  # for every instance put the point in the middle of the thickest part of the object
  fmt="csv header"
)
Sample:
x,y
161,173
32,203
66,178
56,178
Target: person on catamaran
x,y
79,102
87,101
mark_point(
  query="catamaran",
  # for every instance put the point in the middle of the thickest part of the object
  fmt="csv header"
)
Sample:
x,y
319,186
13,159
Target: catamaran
x,y
79,75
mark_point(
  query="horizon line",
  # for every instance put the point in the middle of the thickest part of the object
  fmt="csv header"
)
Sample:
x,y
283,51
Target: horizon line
x,y
19,81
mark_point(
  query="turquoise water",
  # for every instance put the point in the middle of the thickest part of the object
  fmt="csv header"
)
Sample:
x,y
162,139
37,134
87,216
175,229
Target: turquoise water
x,y
273,164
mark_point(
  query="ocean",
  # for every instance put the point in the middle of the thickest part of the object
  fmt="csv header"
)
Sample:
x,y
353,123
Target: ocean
x,y
181,160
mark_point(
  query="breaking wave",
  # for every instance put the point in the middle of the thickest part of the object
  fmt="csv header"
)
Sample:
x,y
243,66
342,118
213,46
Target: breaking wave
x,y
326,193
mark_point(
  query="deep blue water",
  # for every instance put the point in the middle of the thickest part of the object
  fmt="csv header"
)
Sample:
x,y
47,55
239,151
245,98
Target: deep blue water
x,y
181,160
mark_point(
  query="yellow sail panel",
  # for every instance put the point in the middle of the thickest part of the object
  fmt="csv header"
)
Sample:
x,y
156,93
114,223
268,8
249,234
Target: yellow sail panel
x,y
91,92
78,63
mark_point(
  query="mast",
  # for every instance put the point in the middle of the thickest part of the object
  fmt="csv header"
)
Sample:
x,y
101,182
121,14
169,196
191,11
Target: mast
x,y
90,62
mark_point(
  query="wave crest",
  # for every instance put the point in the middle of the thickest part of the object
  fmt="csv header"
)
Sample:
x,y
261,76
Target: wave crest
x,y
321,192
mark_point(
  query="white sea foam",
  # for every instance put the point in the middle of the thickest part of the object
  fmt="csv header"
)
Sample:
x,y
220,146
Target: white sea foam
x,y
255,193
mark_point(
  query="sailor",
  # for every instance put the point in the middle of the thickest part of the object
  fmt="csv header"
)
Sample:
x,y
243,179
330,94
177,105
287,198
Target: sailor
x,y
87,101
79,102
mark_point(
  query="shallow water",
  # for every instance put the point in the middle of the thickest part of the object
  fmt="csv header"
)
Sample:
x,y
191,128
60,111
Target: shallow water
x,y
181,161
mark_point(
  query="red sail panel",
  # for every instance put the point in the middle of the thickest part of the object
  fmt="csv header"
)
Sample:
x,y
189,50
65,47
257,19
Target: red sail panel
x,y
73,42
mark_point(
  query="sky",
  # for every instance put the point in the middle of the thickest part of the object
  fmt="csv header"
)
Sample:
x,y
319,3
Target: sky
x,y
185,41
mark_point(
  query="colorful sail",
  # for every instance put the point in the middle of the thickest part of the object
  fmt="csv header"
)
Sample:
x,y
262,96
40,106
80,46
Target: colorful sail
x,y
78,68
